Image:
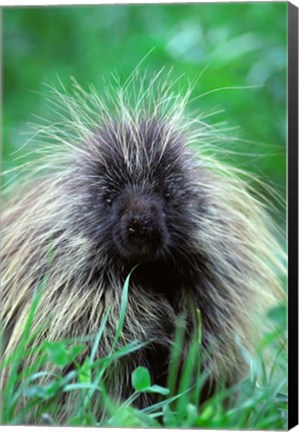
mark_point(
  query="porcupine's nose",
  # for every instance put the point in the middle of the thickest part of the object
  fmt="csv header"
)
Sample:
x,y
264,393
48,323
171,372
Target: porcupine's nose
x,y
143,225
139,229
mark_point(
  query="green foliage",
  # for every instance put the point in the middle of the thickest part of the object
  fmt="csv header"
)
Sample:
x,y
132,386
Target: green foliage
x,y
258,402
141,379
141,382
60,355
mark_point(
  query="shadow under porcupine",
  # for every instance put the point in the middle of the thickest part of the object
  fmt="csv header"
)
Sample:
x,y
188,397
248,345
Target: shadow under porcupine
x,y
121,186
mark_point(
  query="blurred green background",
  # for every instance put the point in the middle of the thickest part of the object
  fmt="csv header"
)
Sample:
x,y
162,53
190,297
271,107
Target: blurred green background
x,y
243,43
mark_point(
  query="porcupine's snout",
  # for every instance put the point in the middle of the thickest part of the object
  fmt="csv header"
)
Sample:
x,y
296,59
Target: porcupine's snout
x,y
141,232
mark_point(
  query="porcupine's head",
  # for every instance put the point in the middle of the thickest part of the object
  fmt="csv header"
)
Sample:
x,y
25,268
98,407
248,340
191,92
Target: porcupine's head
x,y
141,195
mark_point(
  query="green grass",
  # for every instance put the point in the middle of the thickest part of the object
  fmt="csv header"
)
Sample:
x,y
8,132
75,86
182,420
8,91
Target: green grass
x,y
258,402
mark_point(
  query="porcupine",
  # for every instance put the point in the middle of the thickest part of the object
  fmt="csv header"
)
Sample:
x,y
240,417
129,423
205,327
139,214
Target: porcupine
x,y
122,186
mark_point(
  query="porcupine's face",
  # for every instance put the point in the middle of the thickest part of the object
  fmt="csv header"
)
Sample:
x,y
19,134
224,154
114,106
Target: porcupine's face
x,y
142,192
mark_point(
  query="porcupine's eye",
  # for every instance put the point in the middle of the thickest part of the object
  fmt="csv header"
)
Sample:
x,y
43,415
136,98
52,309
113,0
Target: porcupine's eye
x,y
107,200
167,195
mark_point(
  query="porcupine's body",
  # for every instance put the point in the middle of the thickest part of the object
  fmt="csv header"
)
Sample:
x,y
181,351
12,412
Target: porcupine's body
x,y
129,190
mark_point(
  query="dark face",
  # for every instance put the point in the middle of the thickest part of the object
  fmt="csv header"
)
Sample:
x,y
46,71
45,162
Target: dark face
x,y
141,200
139,227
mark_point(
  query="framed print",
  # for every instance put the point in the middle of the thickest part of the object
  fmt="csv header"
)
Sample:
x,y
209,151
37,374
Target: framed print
x,y
146,216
